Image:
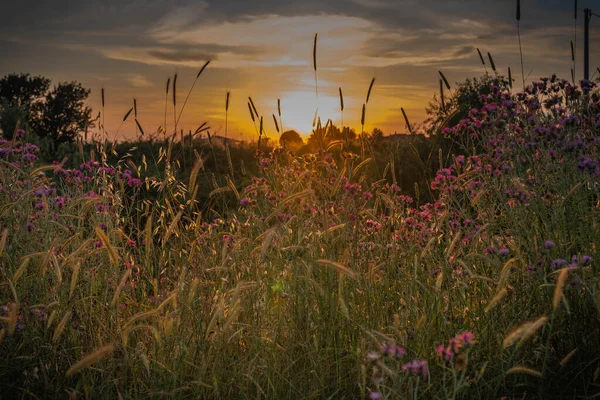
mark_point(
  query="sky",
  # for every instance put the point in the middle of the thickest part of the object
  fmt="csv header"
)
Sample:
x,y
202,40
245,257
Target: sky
x,y
265,50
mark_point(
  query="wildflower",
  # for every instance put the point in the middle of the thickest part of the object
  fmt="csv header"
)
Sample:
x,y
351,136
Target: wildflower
x,y
503,251
367,195
444,353
467,338
29,226
244,202
559,262
388,349
373,225
399,353
134,182
29,158
417,367
549,244
581,261
283,217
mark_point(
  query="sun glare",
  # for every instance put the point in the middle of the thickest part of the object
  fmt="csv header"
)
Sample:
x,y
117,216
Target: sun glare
x,y
298,110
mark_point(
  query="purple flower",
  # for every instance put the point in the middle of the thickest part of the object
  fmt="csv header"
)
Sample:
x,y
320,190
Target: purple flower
x,y
559,262
504,251
244,202
417,367
549,244
375,396
583,260
29,226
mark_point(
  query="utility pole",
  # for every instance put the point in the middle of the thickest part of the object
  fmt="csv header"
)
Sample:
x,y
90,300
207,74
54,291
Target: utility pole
x,y
586,43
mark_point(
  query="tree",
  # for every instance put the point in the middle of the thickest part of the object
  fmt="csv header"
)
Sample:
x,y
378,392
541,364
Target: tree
x,y
23,91
58,114
64,113
376,135
290,139
20,96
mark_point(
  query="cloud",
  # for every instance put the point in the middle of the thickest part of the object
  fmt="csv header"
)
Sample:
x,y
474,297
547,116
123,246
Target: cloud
x,y
138,81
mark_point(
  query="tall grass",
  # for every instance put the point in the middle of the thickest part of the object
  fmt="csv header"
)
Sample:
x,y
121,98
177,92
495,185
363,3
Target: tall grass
x,y
323,279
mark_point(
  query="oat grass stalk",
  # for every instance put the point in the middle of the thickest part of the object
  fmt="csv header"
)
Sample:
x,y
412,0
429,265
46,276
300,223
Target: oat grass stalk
x,y
120,287
406,120
103,113
226,110
338,267
482,60
276,124
3,240
315,65
279,114
369,91
442,102
174,90
61,327
559,287
91,359
492,64
166,103
445,80
112,253
189,92
520,369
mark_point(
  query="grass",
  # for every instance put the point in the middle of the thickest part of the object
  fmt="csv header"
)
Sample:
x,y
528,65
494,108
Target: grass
x,y
317,277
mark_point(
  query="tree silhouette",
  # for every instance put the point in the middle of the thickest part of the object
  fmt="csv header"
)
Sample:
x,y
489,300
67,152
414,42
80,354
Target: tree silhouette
x,y
23,91
291,140
59,113
63,113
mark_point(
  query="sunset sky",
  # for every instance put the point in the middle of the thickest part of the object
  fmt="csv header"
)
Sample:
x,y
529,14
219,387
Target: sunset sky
x,y
264,50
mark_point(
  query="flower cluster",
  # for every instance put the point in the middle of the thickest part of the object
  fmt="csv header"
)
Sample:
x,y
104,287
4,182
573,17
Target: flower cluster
x,y
455,345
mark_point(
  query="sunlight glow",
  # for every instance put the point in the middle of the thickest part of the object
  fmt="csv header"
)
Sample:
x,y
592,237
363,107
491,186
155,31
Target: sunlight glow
x,y
298,110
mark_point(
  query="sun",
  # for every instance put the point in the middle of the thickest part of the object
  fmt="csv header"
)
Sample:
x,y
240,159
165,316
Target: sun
x,y
298,110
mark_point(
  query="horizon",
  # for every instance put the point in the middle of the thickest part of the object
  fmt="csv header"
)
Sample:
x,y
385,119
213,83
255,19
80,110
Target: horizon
x,y
131,48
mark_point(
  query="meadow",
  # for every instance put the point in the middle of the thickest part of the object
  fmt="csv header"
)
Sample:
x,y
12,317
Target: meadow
x,y
318,279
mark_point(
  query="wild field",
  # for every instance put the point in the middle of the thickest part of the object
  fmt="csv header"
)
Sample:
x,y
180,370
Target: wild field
x,y
321,282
